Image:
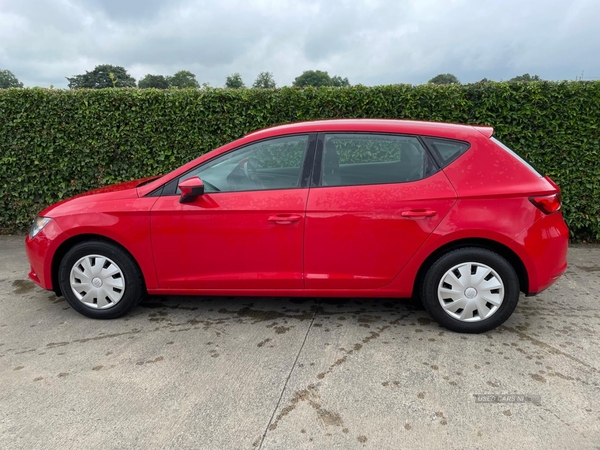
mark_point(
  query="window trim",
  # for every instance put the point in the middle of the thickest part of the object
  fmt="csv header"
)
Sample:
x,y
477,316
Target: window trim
x,y
316,181
169,189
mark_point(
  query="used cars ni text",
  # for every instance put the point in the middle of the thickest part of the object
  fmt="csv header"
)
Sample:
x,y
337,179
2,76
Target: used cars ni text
x,y
334,208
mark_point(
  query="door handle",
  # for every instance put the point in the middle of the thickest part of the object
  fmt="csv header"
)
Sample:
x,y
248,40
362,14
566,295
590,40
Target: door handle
x,y
418,213
285,219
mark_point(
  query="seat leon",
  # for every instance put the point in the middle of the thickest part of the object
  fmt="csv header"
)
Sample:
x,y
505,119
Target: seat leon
x,y
335,208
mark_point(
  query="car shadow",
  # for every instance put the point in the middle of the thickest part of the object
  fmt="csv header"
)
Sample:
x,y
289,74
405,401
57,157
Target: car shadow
x,y
364,312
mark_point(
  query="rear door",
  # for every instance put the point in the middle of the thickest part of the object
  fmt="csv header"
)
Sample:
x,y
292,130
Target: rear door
x,y
375,199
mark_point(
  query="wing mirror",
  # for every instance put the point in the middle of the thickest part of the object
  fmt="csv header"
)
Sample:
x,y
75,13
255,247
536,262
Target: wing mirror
x,y
191,189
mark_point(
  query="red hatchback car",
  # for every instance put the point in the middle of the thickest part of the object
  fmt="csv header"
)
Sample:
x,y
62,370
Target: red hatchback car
x,y
335,208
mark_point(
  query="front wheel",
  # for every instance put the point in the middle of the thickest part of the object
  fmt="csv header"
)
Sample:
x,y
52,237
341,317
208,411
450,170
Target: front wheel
x,y
100,280
470,290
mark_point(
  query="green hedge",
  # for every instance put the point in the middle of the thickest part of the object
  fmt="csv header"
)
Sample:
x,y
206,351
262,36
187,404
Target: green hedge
x,y
54,143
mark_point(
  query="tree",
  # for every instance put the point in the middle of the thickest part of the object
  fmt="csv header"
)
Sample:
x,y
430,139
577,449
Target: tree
x,y
444,78
319,78
526,78
338,81
154,81
264,80
8,80
103,76
234,81
314,78
183,79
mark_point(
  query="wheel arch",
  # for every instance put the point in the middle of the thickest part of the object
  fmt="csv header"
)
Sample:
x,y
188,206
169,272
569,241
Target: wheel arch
x,y
489,244
65,246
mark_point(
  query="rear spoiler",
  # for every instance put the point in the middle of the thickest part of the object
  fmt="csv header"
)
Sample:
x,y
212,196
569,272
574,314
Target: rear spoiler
x,y
486,131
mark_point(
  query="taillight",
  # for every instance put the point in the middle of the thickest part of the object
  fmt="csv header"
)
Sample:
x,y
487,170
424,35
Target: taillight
x,y
548,204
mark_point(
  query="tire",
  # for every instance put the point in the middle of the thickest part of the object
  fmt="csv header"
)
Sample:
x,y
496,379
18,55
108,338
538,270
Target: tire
x,y
100,280
470,290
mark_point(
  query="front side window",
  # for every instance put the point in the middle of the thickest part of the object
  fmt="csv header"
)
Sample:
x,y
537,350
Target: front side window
x,y
270,164
357,159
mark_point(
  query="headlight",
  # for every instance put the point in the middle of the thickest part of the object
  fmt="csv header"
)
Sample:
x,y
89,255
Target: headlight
x,y
38,224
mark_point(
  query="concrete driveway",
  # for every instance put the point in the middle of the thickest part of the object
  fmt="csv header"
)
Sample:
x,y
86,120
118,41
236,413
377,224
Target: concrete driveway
x,y
281,373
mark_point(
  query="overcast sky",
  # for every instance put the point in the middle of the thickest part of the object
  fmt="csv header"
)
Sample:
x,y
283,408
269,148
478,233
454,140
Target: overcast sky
x,y
369,41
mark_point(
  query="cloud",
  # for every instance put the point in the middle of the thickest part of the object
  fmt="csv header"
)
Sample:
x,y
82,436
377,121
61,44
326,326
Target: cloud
x,y
129,10
369,41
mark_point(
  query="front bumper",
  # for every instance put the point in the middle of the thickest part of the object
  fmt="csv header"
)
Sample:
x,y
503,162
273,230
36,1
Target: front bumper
x,y
40,251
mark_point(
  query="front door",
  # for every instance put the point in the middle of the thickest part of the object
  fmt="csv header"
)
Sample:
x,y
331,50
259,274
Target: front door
x,y
246,231
377,198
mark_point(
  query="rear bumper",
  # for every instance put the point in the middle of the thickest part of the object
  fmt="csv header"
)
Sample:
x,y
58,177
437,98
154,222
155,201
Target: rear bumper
x,y
552,280
546,242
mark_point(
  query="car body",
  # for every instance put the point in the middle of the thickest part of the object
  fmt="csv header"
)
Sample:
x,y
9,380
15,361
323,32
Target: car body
x,y
334,208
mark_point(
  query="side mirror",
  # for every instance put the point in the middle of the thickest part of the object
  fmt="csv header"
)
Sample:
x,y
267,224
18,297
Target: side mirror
x,y
191,189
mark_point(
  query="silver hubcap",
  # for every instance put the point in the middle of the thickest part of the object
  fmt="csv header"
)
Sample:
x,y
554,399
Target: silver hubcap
x,y
471,292
97,281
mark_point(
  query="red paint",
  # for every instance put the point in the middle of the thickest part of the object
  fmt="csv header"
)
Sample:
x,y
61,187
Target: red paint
x,y
366,240
357,237
229,240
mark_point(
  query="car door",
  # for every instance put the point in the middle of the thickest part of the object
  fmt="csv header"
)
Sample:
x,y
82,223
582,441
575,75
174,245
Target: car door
x,y
376,198
246,230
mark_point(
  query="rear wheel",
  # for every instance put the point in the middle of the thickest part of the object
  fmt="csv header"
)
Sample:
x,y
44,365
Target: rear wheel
x,y
470,290
100,280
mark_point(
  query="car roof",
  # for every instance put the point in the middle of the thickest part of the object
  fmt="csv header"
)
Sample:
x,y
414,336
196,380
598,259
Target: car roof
x,y
439,129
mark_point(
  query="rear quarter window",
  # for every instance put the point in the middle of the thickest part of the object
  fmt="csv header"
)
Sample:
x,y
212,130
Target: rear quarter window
x,y
446,150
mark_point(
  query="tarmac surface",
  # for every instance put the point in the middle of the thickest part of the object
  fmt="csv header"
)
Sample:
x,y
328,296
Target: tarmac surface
x,y
284,373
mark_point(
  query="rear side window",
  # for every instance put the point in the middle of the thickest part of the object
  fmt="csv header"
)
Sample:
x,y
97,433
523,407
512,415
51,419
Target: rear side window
x,y
446,150
359,159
